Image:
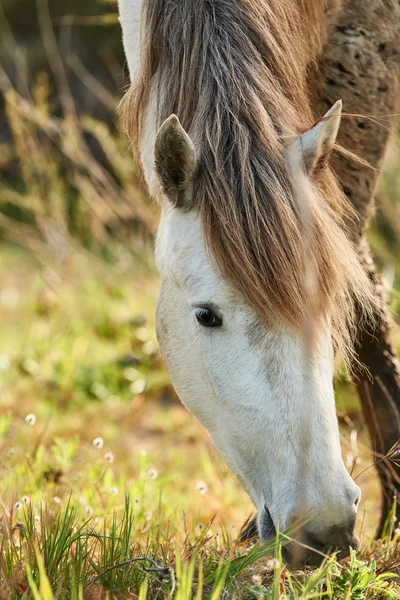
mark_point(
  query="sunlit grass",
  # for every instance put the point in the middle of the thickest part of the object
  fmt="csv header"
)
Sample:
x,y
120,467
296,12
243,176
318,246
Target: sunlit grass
x,y
107,484
109,489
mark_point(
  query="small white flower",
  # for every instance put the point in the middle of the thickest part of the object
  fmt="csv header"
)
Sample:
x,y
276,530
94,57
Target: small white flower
x,y
57,500
256,579
138,387
396,531
142,334
30,419
152,473
89,511
99,390
98,443
349,459
131,374
37,519
109,457
148,348
202,487
4,362
114,491
26,500
18,505
272,564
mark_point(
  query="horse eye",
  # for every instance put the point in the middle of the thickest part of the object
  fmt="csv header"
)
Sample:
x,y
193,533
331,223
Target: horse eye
x,y
207,317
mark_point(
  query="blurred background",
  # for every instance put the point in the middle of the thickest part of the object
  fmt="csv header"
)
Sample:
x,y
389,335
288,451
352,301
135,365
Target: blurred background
x,y
84,394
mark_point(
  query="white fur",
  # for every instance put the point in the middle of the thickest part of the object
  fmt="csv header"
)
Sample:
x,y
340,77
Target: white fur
x,y
270,413
269,409
129,16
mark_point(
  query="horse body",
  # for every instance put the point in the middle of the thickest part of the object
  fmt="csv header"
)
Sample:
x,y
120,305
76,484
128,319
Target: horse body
x,y
255,270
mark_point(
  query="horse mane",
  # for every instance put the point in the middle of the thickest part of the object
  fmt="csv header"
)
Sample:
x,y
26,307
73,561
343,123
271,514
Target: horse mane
x,y
235,73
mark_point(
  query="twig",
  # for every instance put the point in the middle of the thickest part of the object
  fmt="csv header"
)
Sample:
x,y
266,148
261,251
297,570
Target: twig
x,y
162,571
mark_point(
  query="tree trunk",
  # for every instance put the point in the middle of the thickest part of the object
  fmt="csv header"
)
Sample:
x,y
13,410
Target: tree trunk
x,y
379,392
360,65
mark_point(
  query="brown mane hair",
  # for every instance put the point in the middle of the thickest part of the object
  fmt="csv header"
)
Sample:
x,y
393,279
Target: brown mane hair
x,y
235,73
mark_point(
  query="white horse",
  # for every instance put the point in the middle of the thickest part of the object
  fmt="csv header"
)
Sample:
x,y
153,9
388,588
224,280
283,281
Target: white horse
x,y
257,276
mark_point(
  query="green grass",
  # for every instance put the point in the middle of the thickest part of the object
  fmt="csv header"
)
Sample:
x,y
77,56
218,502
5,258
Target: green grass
x,y
108,487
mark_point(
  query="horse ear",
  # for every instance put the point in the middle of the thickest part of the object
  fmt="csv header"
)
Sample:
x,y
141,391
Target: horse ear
x,y
175,160
316,144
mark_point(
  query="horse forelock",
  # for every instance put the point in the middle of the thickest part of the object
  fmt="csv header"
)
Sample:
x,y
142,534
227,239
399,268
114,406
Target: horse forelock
x,y
235,73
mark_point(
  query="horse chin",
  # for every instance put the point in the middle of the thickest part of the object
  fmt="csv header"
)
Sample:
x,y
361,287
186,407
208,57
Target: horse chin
x,y
291,553
306,548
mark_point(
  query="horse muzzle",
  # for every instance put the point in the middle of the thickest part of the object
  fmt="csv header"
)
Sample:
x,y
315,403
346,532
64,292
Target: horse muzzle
x,y
309,547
